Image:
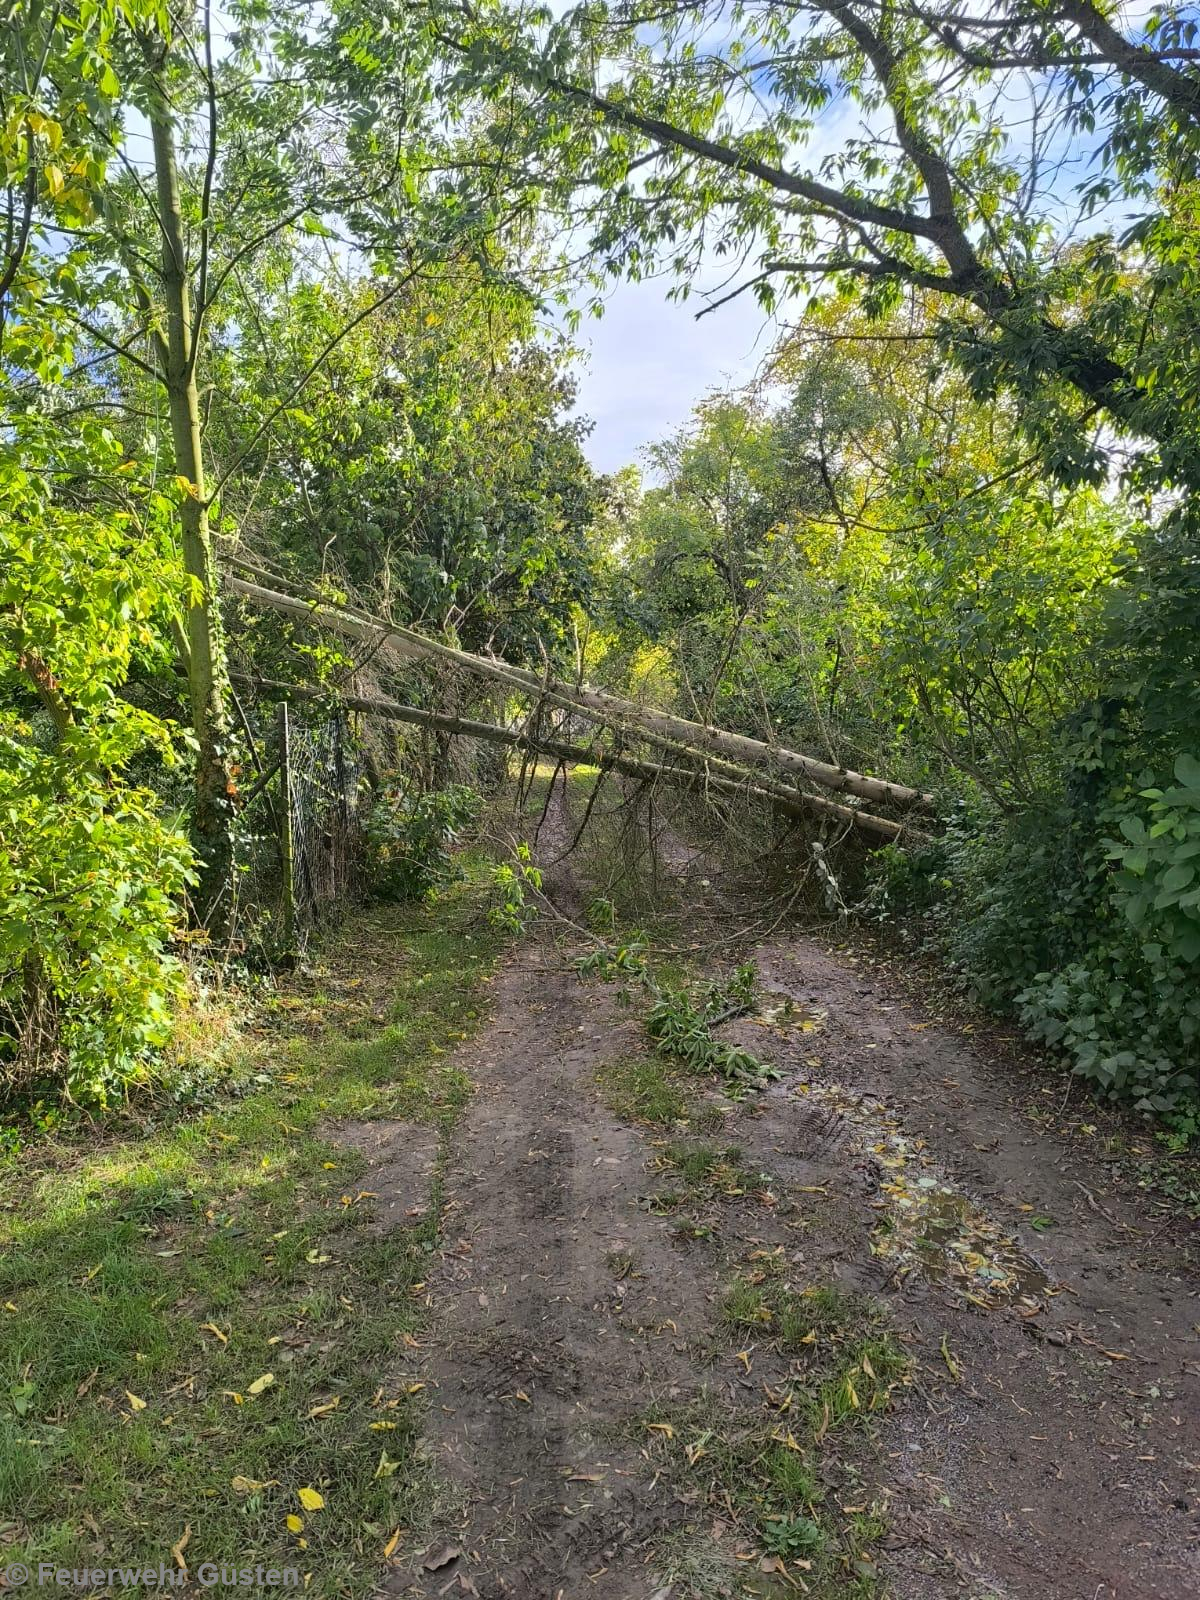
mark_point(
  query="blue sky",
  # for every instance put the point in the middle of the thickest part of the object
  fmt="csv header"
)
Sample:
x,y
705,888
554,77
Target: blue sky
x,y
648,361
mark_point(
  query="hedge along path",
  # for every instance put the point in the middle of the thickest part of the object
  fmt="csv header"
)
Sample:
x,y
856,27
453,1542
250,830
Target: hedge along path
x,y
678,735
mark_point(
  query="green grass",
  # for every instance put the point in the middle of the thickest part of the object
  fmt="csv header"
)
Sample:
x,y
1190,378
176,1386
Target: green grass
x,y
645,1089
712,1168
855,1363
773,1466
700,1164
769,1477
148,1287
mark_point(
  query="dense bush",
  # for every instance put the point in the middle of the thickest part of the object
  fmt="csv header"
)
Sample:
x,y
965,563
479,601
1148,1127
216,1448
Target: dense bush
x,y
1084,919
409,840
92,872
91,879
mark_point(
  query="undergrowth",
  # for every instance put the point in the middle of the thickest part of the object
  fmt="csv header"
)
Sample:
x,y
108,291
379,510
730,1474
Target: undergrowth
x,y
202,1334
1081,917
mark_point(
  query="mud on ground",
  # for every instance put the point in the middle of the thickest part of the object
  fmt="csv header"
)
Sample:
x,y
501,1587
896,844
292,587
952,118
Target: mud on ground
x,y
1047,1446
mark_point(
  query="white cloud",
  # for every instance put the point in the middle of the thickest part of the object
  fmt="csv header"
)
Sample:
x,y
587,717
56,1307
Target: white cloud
x,y
648,361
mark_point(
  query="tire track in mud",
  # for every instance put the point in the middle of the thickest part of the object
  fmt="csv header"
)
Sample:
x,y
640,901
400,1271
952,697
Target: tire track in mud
x,y
543,1358
1064,1461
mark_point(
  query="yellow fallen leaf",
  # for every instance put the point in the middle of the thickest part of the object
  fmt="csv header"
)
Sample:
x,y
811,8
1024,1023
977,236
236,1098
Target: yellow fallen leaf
x,y
232,1394
244,1485
381,1427
324,1410
823,1425
178,1549
389,1548
386,1467
310,1499
259,1384
295,1523
953,1365
665,1428
135,1402
211,1327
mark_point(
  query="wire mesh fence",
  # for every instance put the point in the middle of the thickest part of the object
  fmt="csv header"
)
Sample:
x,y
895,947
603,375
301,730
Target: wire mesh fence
x,y
301,833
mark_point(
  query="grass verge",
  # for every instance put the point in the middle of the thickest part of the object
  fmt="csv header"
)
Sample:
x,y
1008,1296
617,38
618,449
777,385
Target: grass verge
x,y
205,1346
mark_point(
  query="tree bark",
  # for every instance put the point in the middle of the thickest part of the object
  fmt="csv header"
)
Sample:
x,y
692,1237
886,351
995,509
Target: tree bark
x,y
595,704
213,811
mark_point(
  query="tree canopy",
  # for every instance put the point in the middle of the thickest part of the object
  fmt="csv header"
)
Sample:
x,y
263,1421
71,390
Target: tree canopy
x,y
291,291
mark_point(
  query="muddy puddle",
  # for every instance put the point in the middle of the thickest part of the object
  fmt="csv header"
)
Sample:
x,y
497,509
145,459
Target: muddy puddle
x,y
954,1243
928,1225
774,1009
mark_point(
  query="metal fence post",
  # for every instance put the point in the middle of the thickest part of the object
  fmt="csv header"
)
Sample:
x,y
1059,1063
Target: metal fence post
x,y
287,858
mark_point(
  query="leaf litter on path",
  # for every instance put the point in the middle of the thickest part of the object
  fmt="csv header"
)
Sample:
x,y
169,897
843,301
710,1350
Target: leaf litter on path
x,y
929,1225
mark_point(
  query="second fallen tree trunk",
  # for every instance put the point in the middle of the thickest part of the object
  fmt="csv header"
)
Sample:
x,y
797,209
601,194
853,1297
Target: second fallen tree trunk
x,y
596,705
693,774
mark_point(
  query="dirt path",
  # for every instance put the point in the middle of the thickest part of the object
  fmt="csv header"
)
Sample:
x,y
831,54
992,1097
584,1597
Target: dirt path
x,y
1049,1448
1067,1462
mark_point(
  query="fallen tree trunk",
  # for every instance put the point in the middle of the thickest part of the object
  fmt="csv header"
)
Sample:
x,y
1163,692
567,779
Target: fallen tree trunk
x,y
792,802
595,704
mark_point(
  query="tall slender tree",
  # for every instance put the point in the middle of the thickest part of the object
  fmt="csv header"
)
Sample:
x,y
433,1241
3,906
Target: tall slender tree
x,y
219,142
